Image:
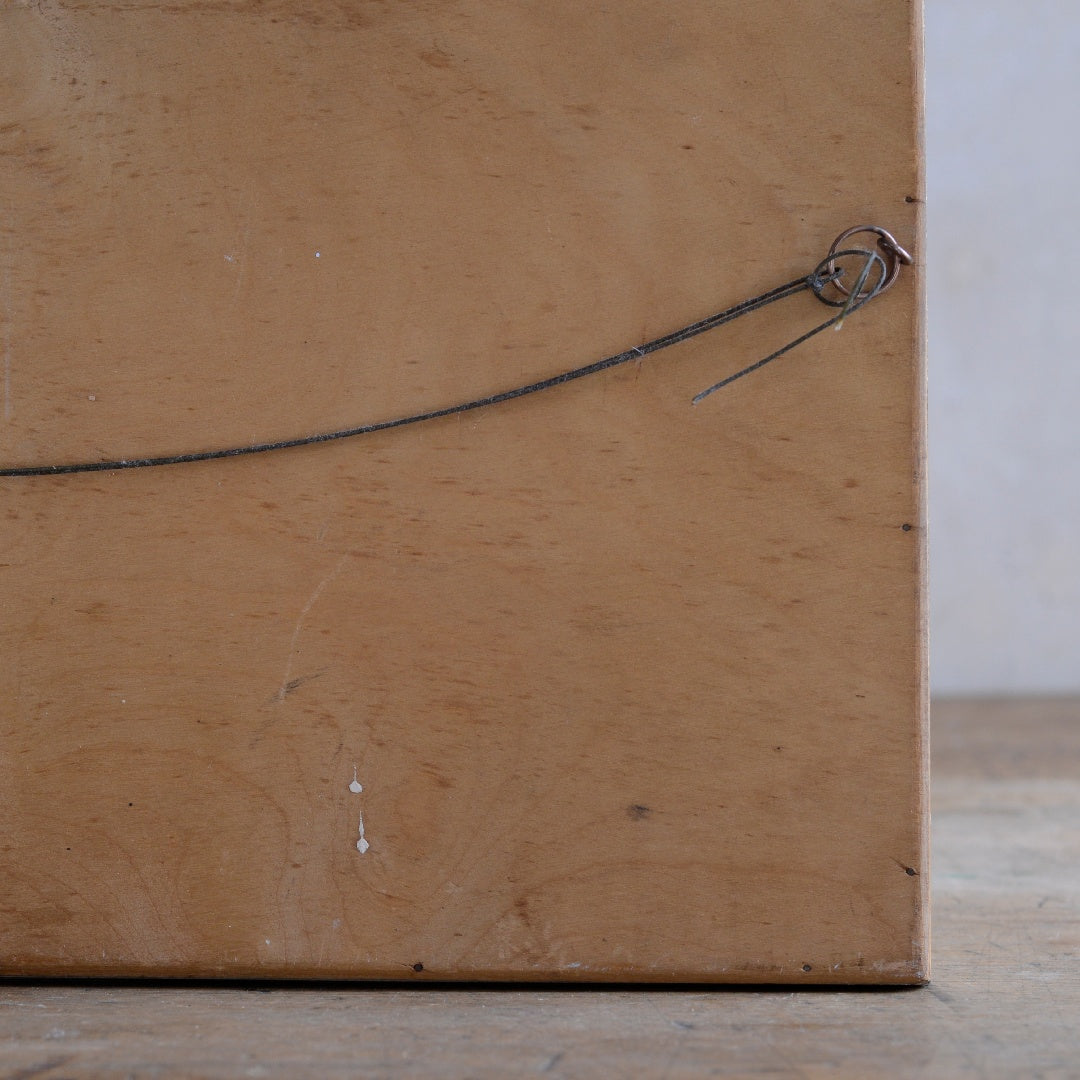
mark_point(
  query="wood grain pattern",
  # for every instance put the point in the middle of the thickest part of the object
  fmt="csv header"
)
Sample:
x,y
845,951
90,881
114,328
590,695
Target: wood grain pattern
x,y
1003,1001
633,689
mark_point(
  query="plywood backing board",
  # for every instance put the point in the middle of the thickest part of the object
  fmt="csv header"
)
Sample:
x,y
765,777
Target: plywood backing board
x,y
631,688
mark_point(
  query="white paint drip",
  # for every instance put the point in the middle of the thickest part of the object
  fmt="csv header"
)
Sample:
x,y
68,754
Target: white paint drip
x,y
356,787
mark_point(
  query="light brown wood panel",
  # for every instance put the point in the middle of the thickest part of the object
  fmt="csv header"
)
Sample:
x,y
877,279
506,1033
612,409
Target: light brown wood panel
x,y
633,689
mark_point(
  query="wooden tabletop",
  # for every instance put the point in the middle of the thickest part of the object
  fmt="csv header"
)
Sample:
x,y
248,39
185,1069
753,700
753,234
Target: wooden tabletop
x,y
1004,999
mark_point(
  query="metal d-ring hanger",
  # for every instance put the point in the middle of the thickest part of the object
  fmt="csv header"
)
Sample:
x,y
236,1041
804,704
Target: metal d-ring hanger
x,y
896,255
877,274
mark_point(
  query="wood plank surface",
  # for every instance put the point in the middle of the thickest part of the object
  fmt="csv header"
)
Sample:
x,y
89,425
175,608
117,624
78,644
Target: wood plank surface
x,y
1003,1001
597,685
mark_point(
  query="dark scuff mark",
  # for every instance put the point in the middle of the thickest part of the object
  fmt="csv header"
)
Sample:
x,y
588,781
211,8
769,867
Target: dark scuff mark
x,y
294,684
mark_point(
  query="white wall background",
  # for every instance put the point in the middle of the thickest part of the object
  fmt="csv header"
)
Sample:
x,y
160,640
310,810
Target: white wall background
x,y
1003,294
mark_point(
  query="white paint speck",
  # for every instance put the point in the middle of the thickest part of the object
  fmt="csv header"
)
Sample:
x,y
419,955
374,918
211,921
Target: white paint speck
x,y
356,787
318,254
230,258
267,940
91,397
